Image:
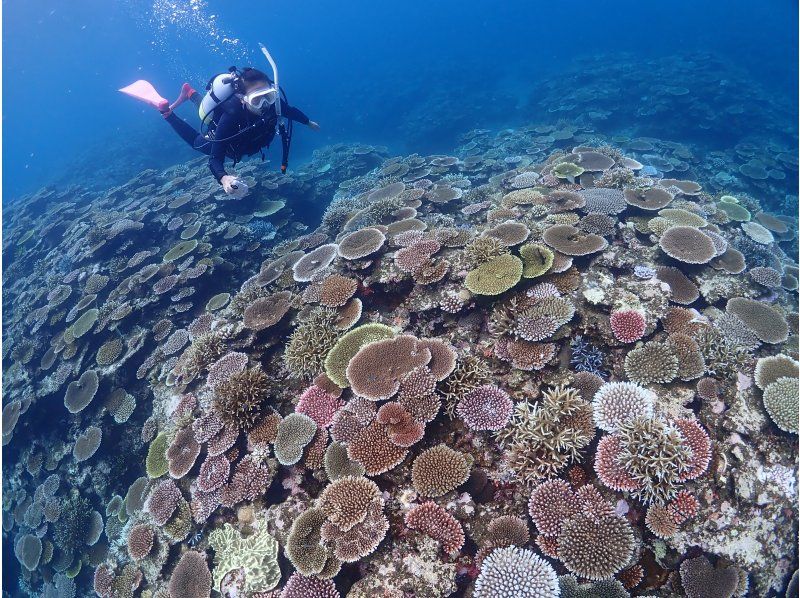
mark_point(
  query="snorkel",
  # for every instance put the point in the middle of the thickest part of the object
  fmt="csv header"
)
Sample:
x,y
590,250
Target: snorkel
x,y
274,67
280,125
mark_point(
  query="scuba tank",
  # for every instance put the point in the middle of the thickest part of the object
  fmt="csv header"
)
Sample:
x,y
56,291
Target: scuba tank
x,y
220,88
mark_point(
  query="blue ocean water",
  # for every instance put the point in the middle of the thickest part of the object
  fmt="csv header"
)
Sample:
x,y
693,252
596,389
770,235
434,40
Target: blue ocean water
x,y
452,101
412,76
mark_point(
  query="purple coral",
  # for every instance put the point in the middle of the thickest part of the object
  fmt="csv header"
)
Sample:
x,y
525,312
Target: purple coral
x,y
485,408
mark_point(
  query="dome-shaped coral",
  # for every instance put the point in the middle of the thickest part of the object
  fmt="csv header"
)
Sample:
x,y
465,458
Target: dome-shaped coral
x,y
780,401
439,470
651,363
510,572
485,408
770,368
595,548
628,325
617,402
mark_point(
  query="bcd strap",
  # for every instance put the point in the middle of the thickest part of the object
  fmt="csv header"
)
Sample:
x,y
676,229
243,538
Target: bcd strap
x,y
284,147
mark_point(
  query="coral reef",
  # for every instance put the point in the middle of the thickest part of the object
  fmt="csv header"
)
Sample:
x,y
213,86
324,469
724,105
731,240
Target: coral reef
x,y
535,367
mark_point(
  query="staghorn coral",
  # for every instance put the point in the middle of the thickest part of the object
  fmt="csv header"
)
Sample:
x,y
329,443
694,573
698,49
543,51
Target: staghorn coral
x,y
310,343
241,398
655,455
544,438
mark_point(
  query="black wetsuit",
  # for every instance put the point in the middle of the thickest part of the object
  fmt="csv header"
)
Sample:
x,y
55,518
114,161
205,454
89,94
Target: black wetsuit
x,y
231,117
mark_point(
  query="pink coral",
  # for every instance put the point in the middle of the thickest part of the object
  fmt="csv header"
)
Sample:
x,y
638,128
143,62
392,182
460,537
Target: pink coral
x,y
607,467
627,325
404,430
700,444
485,408
163,501
684,506
412,258
319,405
214,473
550,503
249,481
206,427
300,586
434,521
225,367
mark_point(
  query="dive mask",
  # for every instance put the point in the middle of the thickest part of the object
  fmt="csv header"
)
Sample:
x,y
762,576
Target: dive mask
x,y
260,99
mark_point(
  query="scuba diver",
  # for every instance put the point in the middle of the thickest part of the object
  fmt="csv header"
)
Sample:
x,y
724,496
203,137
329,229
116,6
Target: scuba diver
x,y
240,114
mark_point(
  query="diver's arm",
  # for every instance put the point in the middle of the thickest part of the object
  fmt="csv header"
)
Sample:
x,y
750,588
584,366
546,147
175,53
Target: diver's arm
x,y
294,113
216,160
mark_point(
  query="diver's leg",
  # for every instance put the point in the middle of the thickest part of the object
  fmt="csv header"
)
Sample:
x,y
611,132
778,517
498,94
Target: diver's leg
x,y
187,93
186,131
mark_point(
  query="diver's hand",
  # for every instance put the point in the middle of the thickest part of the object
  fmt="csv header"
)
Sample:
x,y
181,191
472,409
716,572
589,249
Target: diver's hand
x,y
313,125
229,184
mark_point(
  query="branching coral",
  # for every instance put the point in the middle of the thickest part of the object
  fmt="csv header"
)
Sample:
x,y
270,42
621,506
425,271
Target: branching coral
x,y
241,399
544,438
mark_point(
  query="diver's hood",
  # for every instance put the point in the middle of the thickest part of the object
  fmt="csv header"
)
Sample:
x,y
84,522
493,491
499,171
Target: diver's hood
x,y
258,100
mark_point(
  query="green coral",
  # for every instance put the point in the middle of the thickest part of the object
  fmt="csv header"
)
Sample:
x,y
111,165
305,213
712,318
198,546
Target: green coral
x,y
734,211
348,345
780,401
568,170
310,342
84,324
536,259
180,250
495,276
304,546
156,462
179,525
545,437
256,554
